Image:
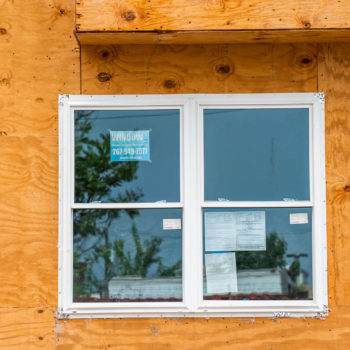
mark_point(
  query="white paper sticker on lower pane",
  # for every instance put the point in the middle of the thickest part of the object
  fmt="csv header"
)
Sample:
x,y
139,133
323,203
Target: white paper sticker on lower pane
x,y
235,230
298,218
221,272
250,230
171,224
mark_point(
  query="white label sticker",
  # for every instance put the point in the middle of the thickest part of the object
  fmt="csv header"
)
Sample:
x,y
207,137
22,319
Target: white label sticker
x,y
238,230
171,224
298,218
221,273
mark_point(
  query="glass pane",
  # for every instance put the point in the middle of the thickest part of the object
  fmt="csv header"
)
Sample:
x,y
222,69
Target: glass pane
x,y
127,255
256,154
257,254
127,156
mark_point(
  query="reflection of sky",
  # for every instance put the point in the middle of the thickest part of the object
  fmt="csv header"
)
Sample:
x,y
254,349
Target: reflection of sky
x,y
256,154
297,236
160,178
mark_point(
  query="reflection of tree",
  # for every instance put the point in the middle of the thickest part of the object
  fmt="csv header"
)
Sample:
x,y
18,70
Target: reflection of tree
x,y
272,257
145,256
295,271
95,175
96,180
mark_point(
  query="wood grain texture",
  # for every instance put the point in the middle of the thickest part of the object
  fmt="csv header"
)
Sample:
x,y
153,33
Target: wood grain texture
x,y
28,219
39,58
214,37
203,334
27,328
144,69
150,15
235,68
334,80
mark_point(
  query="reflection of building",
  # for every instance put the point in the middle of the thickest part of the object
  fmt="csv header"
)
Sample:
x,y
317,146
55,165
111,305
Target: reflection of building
x,y
270,281
138,287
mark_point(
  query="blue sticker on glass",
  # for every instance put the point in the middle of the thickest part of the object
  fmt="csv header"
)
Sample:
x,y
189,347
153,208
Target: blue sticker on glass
x,y
130,146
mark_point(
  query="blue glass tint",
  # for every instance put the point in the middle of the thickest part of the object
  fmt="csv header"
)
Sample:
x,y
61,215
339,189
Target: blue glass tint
x,y
100,179
282,270
256,154
127,255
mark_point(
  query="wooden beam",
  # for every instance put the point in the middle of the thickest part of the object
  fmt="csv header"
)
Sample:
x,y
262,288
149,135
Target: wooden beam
x,y
213,37
141,15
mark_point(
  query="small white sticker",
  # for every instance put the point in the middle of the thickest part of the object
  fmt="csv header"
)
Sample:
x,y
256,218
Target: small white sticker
x,y
298,218
171,224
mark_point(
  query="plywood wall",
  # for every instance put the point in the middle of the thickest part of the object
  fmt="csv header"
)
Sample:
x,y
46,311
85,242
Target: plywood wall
x,y
237,69
39,58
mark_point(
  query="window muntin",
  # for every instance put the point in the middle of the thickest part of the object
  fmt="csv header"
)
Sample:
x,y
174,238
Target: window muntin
x,y
192,203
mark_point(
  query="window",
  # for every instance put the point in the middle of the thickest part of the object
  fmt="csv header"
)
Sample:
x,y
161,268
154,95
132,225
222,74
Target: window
x,y
192,205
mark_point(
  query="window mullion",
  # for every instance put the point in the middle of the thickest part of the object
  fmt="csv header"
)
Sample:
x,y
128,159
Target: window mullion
x,y
191,249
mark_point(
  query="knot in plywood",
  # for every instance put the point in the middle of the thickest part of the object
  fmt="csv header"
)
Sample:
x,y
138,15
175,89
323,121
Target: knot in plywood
x,y
304,61
223,68
5,79
103,76
169,84
129,16
306,24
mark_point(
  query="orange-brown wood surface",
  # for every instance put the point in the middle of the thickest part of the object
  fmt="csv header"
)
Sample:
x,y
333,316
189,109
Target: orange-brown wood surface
x,y
27,328
204,334
148,15
198,69
39,58
208,37
211,21
334,79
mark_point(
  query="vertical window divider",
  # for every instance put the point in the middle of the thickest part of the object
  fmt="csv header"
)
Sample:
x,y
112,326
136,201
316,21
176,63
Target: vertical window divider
x,y
191,252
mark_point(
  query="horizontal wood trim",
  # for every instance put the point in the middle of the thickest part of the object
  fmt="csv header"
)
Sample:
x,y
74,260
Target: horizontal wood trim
x,y
150,15
213,37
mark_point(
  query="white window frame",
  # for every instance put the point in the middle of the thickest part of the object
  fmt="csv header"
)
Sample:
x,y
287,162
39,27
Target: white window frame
x,y
192,201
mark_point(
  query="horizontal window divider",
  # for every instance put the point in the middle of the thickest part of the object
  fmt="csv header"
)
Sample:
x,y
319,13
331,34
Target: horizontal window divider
x,y
260,204
155,205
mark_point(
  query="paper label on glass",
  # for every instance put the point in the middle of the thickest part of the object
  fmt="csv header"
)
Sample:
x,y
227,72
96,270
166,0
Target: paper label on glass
x,y
298,218
250,230
128,146
235,231
221,273
171,224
